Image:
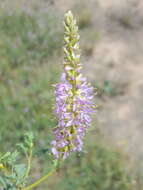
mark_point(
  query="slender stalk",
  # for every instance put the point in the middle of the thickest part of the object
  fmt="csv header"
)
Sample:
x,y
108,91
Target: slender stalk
x,y
35,184
29,163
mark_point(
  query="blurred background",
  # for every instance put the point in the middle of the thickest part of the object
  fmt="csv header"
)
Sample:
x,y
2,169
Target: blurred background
x,y
31,56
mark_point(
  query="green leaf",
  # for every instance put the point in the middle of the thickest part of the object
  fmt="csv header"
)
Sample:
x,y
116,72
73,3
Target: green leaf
x,y
5,156
28,139
22,148
20,170
2,182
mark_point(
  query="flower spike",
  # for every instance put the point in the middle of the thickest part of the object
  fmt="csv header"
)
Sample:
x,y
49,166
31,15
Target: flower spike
x,y
74,97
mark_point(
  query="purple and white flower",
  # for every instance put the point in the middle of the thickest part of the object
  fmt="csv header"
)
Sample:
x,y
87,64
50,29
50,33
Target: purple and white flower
x,y
74,97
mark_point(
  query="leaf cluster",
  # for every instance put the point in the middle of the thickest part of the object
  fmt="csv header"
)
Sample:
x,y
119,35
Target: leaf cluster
x,y
13,173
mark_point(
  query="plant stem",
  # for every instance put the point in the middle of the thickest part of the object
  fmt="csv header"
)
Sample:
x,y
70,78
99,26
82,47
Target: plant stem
x,y
29,162
40,180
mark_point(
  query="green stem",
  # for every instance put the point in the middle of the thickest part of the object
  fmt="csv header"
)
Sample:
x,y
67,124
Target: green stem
x,y
40,180
29,163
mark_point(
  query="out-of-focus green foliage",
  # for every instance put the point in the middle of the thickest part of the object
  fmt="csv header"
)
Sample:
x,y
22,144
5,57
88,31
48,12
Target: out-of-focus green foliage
x,y
27,39
27,46
100,168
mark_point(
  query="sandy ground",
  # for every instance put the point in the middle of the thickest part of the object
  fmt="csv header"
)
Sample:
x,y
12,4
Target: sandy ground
x,y
118,58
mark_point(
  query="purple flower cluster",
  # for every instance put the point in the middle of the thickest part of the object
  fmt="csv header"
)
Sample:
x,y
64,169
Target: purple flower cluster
x,y
74,99
74,116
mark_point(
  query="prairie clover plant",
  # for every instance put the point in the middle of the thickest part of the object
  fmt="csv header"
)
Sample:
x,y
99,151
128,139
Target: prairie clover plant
x,y
74,96
74,105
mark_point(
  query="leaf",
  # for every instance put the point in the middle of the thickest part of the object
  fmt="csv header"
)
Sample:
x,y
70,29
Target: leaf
x,y
9,158
12,157
5,156
20,170
28,140
2,182
22,148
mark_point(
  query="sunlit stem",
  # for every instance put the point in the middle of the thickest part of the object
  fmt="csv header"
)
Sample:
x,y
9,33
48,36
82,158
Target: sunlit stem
x,y
35,184
39,181
29,159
